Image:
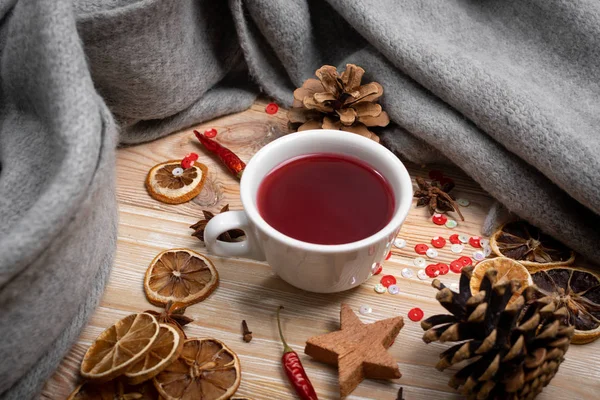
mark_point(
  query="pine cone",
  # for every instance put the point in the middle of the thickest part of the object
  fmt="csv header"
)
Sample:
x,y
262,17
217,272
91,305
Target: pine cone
x,y
516,349
338,102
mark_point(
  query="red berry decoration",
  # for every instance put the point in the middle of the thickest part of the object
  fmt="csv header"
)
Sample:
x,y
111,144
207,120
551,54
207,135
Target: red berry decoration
x,y
421,248
388,280
432,270
454,239
475,241
438,242
456,266
271,108
465,261
416,314
439,219
210,133
444,268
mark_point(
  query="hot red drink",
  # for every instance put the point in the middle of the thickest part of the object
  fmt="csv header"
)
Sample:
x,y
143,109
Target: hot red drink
x,y
326,199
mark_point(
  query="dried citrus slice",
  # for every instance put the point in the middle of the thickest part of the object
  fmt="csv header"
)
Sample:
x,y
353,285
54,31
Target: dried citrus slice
x,y
165,349
507,269
180,276
114,390
119,347
528,245
170,183
206,369
579,290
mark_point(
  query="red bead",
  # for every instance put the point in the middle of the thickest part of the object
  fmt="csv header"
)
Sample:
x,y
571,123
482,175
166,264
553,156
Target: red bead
x,y
465,261
388,280
416,314
210,133
271,108
444,268
454,239
445,180
192,156
438,242
187,163
439,219
421,248
456,266
432,270
436,174
475,241
388,256
378,269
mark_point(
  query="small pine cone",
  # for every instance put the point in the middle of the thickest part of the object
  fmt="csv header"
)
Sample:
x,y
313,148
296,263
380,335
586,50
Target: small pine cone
x,y
515,349
338,102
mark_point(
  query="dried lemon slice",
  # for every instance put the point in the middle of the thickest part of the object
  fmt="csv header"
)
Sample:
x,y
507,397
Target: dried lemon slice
x,y
506,269
170,183
119,347
579,290
206,369
180,276
529,246
114,390
165,349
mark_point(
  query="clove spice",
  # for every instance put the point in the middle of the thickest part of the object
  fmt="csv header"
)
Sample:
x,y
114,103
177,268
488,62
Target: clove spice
x,y
246,332
400,397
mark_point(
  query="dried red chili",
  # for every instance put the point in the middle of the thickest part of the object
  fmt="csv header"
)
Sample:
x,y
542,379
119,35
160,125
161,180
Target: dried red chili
x,y
294,369
228,157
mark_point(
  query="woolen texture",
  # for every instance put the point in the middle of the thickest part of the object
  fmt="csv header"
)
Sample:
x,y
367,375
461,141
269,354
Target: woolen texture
x,y
507,90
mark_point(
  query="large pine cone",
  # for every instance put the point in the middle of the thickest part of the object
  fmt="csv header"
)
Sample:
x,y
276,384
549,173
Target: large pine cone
x,y
338,102
515,348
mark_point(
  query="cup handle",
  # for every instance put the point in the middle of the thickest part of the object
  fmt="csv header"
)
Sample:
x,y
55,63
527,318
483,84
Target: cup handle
x,y
224,222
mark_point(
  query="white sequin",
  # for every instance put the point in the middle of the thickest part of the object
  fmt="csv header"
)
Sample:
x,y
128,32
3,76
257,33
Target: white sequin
x,y
419,262
484,242
463,202
399,243
177,171
407,273
432,253
379,288
393,289
478,255
487,250
463,238
457,248
422,274
451,224
364,310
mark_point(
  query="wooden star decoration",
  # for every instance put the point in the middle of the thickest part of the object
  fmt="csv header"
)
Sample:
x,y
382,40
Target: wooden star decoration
x,y
359,350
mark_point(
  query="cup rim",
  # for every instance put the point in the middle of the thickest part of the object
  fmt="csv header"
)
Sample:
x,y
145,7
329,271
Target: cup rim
x,y
400,214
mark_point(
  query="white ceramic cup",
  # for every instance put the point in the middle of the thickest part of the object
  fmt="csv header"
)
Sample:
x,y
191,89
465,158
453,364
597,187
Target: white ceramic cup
x,y
312,267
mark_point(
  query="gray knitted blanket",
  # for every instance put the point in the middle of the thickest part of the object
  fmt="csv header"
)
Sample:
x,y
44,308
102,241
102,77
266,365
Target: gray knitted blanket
x,y
508,90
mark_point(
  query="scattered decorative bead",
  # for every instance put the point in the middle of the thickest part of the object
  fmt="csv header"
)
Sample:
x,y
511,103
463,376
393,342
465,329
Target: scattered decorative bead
x,y
416,314
388,280
484,242
463,202
379,288
393,289
457,248
438,242
177,171
421,248
463,238
432,253
487,250
365,310
474,241
400,243
436,174
454,239
456,266
188,160
407,273
388,256
432,270
478,255
377,269
422,275
465,261
271,108
444,268
439,219
419,262
210,133
451,224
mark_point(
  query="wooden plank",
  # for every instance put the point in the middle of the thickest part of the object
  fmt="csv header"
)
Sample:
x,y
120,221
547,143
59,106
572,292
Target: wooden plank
x,y
249,290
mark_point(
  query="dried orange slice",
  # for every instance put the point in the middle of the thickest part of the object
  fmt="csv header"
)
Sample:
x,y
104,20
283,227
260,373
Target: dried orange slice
x,y
579,290
206,369
180,276
119,347
507,269
170,183
114,390
165,349
527,244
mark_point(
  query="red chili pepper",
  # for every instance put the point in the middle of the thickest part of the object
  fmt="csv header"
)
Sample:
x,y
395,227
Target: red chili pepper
x,y
294,369
228,157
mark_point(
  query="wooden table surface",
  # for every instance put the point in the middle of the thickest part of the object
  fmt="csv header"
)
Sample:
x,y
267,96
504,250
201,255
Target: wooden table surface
x,y
249,290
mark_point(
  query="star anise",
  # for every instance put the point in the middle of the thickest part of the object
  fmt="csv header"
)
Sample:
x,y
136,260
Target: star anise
x,y
172,314
436,197
229,236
